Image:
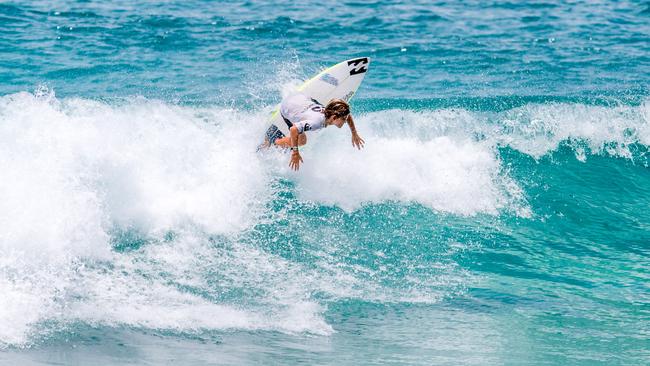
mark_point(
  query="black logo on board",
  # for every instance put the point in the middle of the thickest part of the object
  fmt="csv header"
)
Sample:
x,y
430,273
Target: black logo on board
x,y
359,66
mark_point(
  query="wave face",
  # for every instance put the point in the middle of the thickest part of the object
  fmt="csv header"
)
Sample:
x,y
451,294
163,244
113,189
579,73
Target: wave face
x,y
498,214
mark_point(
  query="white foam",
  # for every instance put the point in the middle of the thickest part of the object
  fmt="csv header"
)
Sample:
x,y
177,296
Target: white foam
x,y
644,123
146,289
539,129
24,301
144,163
446,175
429,162
76,171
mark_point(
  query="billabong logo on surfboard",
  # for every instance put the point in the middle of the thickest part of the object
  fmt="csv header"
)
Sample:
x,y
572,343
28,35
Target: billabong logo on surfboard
x,y
359,66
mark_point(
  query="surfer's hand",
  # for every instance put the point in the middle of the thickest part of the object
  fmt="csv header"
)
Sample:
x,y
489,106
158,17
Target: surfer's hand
x,y
357,141
296,159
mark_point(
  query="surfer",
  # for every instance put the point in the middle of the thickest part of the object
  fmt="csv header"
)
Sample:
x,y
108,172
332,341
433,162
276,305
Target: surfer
x,y
302,114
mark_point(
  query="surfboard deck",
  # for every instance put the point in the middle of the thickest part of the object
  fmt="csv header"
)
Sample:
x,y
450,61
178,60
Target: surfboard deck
x,y
339,81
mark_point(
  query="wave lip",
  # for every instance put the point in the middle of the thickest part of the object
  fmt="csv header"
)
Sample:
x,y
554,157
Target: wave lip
x,y
539,129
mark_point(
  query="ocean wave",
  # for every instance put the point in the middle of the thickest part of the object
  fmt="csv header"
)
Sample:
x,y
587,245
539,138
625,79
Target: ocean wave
x,y
185,184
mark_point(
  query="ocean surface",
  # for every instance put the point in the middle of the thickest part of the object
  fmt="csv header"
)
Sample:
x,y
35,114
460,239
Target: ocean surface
x,y
499,214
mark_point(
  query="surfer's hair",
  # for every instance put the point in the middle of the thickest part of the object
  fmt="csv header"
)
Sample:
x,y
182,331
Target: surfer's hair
x,y
338,108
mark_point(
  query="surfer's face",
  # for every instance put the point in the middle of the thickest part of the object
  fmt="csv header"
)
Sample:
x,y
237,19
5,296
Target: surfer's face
x,y
338,121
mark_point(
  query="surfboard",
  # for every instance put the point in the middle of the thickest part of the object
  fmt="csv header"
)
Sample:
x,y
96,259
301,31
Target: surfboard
x,y
339,81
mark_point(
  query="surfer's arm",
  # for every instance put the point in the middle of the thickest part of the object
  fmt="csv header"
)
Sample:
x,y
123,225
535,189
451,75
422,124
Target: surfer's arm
x,y
293,134
296,159
357,141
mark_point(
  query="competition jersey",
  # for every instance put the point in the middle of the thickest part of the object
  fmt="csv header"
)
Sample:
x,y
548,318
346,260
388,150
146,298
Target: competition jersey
x,y
303,112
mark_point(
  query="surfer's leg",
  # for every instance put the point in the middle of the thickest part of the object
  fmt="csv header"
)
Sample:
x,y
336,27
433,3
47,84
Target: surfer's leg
x,y
286,141
271,136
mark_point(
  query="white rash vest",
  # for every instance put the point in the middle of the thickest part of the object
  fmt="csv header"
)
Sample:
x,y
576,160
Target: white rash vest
x,y
304,113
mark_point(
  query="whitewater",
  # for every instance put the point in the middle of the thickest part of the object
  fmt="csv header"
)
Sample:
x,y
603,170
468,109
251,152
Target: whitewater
x,y
150,215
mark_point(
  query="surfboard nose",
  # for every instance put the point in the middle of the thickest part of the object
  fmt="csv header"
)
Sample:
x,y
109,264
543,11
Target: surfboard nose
x,y
358,65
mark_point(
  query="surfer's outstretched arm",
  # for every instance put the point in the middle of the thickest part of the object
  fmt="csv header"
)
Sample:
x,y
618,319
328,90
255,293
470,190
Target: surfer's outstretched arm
x,y
357,141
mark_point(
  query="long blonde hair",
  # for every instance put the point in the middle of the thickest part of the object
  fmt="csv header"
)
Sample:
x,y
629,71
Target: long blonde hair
x,y
338,108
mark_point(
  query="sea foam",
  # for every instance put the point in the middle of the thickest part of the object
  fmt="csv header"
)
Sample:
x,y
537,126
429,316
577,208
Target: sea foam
x,y
185,182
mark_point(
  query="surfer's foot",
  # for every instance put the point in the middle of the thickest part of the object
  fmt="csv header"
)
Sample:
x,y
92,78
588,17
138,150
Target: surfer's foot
x,y
264,145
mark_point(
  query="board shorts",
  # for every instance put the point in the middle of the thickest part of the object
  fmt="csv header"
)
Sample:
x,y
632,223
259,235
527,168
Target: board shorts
x,y
274,133
307,114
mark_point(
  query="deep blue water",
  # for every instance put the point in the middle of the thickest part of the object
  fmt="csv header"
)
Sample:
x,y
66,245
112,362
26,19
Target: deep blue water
x,y
498,214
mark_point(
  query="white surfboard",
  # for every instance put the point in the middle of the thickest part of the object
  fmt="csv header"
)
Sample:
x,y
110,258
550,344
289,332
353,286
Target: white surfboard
x,y
339,81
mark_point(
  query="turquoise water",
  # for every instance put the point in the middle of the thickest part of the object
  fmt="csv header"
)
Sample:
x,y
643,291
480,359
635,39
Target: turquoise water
x,y
498,214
